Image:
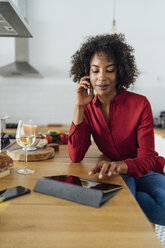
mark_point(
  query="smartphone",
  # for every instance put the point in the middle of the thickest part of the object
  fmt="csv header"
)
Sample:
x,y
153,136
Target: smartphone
x,y
86,183
10,193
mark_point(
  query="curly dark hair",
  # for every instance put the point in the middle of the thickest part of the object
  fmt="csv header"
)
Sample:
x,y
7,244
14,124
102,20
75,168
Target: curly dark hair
x,y
116,48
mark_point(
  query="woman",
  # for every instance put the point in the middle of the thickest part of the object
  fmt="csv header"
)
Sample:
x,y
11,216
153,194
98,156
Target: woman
x,y
120,121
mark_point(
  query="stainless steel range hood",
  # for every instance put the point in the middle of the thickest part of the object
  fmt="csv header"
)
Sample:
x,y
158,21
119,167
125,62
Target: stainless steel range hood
x,y
12,23
21,66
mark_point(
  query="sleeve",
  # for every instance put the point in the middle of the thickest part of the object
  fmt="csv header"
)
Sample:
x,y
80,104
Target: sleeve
x,y
79,140
147,158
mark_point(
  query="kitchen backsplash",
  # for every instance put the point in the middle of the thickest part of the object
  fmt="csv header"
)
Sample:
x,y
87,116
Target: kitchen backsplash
x,y
44,100
51,100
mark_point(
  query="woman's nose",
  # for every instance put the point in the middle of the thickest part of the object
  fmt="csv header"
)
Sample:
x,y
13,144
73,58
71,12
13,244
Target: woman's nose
x,y
101,76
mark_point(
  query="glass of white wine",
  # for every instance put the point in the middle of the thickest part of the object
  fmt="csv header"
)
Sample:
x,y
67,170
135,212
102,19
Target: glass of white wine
x,y
25,137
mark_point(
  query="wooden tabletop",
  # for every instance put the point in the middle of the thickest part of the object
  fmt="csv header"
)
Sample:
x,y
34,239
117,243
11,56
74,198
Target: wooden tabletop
x,y
160,132
44,128
42,221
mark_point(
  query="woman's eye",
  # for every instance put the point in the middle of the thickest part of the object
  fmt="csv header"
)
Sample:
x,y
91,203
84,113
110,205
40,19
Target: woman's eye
x,y
110,71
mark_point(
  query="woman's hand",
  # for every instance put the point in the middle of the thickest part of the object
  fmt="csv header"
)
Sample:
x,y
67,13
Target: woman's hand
x,y
109,168
82,96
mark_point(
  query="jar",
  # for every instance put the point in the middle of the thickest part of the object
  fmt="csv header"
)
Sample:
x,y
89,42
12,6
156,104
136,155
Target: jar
x,y
3,124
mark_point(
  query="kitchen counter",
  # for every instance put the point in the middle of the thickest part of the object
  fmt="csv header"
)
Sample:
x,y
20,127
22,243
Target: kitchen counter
x,y
45,128
38,221
65,128
160,132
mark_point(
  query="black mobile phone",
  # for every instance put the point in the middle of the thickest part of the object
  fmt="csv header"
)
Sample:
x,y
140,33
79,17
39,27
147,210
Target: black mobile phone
x,y
89,86
10,193
86,183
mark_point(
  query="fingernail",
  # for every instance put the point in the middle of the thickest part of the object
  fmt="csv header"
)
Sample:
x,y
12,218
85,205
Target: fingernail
x,y
109,173
90,173
100,176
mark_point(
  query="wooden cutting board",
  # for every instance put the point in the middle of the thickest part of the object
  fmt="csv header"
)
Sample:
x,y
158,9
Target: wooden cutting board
x,y
37,155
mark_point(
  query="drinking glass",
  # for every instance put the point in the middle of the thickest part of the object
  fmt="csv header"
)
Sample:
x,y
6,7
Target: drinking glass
x,y
33,146
25,137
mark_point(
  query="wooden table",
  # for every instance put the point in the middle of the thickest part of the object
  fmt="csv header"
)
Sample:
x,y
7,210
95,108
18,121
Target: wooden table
x,y
45,128
160,132
42,221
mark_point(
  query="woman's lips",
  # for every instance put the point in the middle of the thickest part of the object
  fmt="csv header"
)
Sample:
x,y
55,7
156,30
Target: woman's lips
x,y
102,86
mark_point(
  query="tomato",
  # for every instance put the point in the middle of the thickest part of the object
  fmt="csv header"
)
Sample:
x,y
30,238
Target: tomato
x,y
49,138
63,138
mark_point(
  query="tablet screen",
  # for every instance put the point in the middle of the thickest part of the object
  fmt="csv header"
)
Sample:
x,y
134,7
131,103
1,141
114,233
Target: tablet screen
x,y
86,183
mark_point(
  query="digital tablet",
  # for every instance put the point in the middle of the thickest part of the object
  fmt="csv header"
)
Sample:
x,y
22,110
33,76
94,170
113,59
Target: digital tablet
x,y
86,183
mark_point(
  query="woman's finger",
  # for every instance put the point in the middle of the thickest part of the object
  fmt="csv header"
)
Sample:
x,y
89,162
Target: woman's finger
x,y
83,86
111,168
118,170
86,84
85,77
104,169
95,169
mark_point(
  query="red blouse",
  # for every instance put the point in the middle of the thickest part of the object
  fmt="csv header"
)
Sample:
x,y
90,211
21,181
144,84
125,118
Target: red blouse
x,y
129,136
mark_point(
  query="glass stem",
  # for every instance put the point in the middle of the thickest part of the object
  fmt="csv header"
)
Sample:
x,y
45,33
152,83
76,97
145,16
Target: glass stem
x,y
26,158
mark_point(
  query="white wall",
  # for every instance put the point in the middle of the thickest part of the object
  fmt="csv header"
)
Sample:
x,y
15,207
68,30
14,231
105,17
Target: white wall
x,y
59,27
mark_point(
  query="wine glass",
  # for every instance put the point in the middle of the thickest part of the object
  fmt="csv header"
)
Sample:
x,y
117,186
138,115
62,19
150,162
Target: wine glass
x,y
33,146
25,137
